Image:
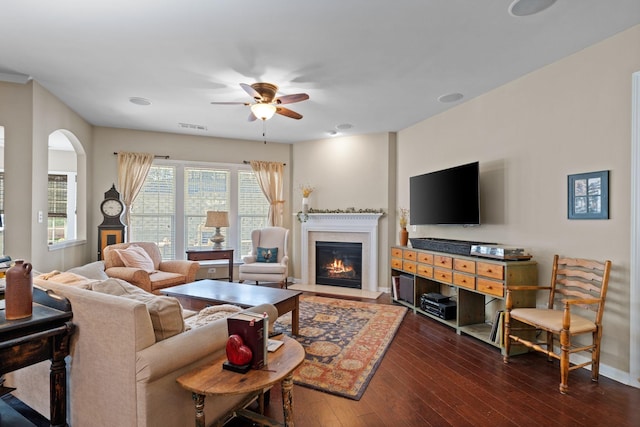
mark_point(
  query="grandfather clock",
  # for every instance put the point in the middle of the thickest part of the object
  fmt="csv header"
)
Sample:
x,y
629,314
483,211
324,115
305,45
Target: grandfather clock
x,y
111,231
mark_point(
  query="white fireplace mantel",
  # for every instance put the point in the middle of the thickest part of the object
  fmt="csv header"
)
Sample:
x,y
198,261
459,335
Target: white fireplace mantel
x,y
360,227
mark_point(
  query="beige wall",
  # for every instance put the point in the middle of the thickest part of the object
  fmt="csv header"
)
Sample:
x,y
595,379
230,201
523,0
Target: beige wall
x,y
570,117
29,114
355,171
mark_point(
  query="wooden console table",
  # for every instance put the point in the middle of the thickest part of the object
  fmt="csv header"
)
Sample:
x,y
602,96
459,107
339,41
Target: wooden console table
x,y
44,335
211,379
212,255
476,284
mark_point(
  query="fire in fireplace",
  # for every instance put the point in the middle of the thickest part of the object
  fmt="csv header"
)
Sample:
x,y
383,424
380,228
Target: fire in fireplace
x,y
339,264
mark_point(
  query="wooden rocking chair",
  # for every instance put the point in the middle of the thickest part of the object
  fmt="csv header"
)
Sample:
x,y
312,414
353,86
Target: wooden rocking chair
x,y
574,283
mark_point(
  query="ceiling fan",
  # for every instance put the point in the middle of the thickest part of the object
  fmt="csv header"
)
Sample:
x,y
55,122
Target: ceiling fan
x,y
266,103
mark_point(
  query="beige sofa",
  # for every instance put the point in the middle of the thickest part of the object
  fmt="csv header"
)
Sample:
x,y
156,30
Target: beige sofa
x,y
118,373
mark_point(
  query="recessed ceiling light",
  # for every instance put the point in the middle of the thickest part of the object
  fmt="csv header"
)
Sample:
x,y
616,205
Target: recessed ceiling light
x,y
529,7
450,97
139,101
332,133
344,126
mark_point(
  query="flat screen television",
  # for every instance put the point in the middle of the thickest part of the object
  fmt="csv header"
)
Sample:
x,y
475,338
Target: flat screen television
x,y
448,196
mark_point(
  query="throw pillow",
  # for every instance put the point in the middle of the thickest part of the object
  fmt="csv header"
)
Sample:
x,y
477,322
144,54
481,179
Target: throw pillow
x,y
93,270
136,257
67,278
210,314
267,254
165,312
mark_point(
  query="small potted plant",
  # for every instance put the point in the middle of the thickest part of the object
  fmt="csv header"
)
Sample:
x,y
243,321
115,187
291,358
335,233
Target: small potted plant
x,y
306,192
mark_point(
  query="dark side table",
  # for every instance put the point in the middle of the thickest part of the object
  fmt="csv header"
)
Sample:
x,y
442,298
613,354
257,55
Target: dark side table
x,y
44,335
212,255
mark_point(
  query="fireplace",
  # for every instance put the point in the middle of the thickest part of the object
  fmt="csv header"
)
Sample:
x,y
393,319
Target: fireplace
x,y
339,264
359,228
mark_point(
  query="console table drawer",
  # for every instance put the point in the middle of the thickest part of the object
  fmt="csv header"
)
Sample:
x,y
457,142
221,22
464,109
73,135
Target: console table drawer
x,y
396,252
410,267
410,255
464,280
425,258
443,261
464,265
490,270
396,263
490,287
443,275
425,270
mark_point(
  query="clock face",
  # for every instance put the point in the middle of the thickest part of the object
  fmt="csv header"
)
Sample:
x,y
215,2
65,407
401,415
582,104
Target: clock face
x,y
111,207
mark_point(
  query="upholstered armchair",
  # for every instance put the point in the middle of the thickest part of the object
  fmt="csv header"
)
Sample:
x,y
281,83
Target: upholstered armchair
x,y
268,260
127,261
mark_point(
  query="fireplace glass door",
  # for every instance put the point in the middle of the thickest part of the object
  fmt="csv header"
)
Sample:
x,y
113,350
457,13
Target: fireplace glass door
x,y
339,264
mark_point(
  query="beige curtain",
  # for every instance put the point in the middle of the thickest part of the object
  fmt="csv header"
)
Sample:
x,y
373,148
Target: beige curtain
x,y
133,169
271,179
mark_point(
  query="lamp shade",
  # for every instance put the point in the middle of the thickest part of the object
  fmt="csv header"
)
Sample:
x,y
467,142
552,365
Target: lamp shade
x,y
263,111
217,219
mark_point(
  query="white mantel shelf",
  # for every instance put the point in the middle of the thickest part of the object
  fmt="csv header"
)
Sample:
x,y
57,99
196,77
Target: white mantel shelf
x,y
362,225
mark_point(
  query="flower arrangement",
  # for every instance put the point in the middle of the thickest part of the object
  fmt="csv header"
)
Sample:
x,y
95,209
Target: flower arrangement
x,y
404,216
306,190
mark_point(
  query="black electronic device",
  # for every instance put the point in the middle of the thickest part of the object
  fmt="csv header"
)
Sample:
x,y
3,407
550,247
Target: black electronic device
x,y
438,305
448,196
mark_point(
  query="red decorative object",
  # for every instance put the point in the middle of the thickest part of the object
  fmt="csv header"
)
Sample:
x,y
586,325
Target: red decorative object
x,y
238,353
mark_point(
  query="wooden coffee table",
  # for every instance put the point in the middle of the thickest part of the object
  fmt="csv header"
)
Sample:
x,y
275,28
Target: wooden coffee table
x,y
211,379
202,293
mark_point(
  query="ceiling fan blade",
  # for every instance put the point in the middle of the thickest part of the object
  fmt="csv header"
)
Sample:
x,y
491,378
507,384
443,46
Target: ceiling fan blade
x,y
290,99
230,103
252,117
251,91
289,113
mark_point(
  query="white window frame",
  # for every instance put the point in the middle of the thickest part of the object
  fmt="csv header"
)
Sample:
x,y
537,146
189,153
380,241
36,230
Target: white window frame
x,y
233,233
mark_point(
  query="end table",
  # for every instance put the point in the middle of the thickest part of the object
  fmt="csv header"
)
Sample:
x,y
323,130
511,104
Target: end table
x,y
211,379
44,335
212,254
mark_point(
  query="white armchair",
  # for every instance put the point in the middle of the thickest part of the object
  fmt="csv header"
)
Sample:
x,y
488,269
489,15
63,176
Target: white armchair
x,y
268,260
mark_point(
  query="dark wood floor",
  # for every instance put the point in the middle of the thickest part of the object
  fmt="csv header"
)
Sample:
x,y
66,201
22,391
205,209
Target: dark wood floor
x,y
432,377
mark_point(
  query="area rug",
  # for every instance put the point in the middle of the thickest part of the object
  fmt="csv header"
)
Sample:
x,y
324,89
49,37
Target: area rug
x,y
344,342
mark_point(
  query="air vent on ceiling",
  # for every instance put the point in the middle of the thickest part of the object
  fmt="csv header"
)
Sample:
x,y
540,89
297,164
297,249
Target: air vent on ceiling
x,y
191,126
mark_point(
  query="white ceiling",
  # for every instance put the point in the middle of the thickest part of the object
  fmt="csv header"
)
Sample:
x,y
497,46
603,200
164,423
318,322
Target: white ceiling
x,y
378,65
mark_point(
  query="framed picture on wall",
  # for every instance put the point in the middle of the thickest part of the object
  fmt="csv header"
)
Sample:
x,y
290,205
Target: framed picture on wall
x,y
589,195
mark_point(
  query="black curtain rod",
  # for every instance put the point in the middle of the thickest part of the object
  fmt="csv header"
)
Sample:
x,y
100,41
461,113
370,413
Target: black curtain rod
x,y
247,162
115,153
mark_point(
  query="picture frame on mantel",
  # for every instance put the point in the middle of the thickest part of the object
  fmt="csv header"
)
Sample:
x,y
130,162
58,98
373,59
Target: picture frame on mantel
x,y
589,195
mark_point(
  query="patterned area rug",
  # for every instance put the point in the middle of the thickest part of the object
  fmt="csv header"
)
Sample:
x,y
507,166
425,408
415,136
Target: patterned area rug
x,y
344,342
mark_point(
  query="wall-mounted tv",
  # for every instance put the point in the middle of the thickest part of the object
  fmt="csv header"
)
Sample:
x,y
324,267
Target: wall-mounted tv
x,y
448,196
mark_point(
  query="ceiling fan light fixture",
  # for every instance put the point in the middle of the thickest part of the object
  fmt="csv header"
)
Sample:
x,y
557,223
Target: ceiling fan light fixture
x,y
263,111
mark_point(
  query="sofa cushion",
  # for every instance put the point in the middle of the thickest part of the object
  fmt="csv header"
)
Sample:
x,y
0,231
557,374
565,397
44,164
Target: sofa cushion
x,y
93,270
267,255
165,312
66,278
136,257
263,268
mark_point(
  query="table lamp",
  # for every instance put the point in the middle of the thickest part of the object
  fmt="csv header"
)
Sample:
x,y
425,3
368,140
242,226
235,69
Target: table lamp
x,y
217,219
